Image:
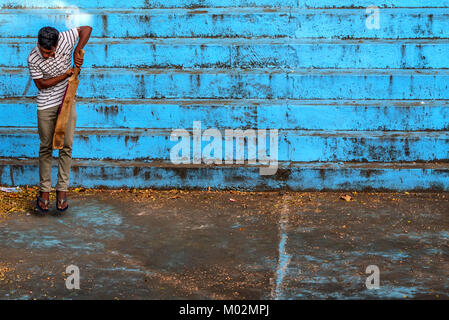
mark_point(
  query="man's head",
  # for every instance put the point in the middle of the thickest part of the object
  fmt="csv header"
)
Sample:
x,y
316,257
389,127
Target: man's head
x,y
47,40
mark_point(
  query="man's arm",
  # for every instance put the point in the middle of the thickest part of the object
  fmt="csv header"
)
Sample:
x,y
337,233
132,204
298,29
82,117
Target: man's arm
x,y
46,83
84,33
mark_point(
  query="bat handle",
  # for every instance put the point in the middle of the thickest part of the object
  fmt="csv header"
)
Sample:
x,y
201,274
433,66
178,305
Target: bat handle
x,y
77,70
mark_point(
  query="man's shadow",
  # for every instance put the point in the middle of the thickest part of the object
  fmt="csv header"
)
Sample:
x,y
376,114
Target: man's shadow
x,y
53,212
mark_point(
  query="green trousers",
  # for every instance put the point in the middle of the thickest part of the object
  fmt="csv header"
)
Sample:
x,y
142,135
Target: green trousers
x,y
46,123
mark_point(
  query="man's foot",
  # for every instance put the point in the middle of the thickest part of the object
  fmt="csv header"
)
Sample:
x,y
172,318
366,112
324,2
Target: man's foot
x,y
61,201
42,201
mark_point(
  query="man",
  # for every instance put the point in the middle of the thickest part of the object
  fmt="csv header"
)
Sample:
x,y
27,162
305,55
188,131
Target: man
x,y
50,65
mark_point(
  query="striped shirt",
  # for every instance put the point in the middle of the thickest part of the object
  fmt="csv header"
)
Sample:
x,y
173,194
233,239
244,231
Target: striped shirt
x,y
41,68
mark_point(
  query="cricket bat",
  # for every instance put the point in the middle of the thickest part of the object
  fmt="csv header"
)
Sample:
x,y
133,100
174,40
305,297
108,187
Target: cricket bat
x,y
65,108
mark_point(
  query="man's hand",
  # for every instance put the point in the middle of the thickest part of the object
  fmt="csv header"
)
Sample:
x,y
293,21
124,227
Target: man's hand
x,y
77,58
47,83
69,72
84,33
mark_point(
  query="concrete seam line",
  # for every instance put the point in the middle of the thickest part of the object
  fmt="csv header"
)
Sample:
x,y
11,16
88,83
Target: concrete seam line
x,y
284,257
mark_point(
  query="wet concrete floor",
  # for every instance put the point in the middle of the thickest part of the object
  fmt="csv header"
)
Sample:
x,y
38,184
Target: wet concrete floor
x,y
230,245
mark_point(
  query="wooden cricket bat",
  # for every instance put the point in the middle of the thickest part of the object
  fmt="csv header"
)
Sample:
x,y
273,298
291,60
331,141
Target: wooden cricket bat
x,y
65,108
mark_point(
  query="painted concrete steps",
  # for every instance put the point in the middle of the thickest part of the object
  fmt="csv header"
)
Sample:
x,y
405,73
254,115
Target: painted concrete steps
x,y
315,52
295,176
245,22
247,53
293,145
146,4
245,84
362,115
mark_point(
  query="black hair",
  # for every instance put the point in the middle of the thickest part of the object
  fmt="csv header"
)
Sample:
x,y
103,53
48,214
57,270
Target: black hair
x,y
48,37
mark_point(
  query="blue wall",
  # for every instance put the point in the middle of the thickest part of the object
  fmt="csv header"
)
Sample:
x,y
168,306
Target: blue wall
x,y
356,108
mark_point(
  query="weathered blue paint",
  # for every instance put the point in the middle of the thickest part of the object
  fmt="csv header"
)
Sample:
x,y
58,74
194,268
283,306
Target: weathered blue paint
x,y
295,176
356,108
237,22
294,145
145,4
288,54
247,84
368,115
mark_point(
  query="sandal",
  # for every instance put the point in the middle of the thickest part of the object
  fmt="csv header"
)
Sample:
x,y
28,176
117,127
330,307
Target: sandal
x,y
60,202
44,201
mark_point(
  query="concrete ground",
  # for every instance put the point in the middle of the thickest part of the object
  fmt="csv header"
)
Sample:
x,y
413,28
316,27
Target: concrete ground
x,y
230,245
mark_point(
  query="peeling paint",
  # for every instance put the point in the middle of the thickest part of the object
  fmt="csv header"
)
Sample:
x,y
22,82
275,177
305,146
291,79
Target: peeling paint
x,y
338,93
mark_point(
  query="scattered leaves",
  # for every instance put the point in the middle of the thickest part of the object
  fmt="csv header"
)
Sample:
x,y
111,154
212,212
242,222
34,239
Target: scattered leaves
x,y
346,197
